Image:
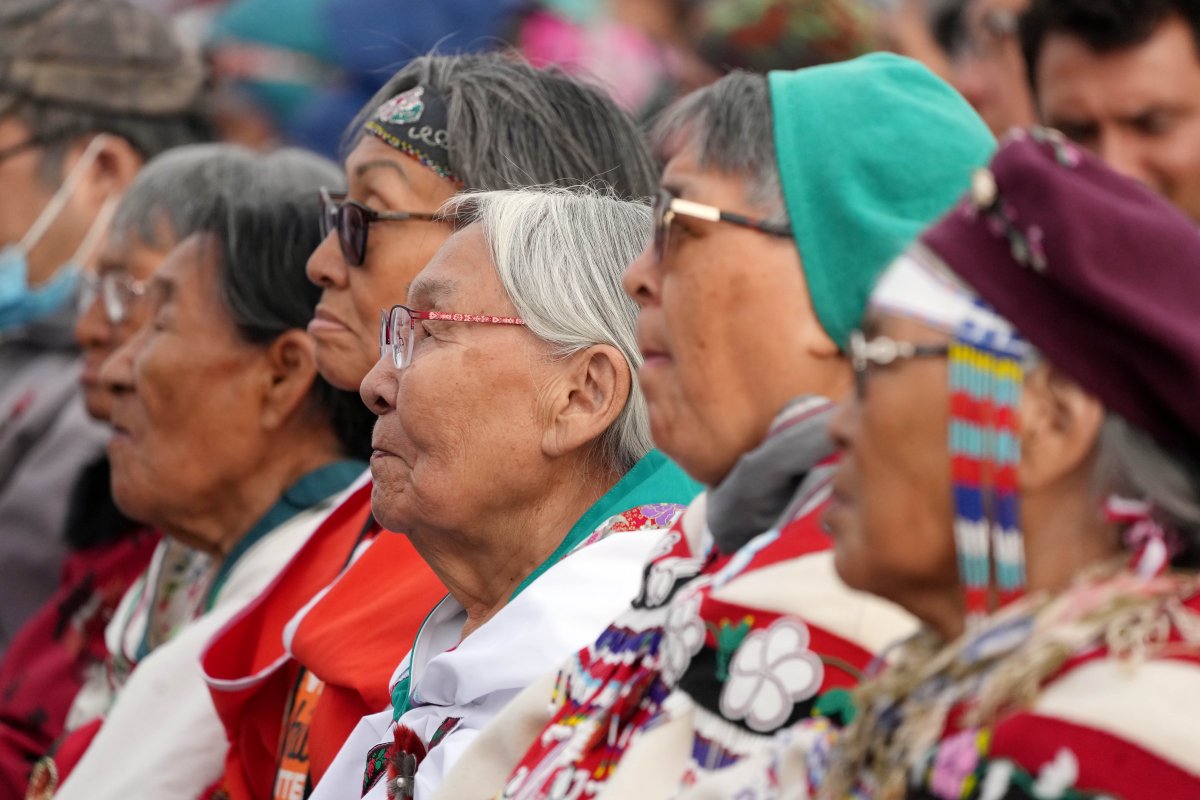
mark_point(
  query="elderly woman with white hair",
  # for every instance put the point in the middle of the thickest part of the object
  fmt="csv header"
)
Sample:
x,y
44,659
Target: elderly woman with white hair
x,y
513,449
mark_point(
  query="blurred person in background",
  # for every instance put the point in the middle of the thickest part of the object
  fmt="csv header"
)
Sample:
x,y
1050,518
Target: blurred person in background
x,y
89,90
987,66
64,644
1122,79
920,29
293,675
1019,471
228,441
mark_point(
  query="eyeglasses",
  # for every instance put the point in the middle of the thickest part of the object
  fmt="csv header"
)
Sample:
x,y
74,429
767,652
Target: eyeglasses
x,y
882,351
118,292
667,206
399,334
352,219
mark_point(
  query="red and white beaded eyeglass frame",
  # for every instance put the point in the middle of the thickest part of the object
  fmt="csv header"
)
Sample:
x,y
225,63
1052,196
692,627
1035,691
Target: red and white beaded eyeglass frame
x,y
398,332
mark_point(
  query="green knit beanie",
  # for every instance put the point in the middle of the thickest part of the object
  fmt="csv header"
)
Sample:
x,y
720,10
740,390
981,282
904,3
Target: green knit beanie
x,y
870,152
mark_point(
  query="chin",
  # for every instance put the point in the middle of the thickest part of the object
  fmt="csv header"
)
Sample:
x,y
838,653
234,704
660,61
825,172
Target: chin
x,y
128,497
389,505
341,370
98,405
851,573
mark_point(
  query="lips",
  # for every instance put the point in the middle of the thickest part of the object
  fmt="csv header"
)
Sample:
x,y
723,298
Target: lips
x,y
324,321
650,345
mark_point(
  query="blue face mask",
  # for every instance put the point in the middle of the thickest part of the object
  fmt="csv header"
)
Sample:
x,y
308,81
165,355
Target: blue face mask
x,y
20,303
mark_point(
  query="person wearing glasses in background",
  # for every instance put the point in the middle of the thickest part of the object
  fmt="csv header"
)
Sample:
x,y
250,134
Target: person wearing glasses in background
x,y
294,674
81,110
224,438
783,196
1019,471
62,647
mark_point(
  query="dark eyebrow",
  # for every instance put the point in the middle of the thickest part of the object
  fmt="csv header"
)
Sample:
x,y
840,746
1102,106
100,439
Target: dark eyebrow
x,y
380,163
427,294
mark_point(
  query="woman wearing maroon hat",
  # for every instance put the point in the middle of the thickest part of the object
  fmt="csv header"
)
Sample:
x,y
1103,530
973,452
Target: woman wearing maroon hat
x,y
1049,541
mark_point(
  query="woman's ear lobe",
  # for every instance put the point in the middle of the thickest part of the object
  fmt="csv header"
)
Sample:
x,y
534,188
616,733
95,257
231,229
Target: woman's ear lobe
x,y
291,369
597,389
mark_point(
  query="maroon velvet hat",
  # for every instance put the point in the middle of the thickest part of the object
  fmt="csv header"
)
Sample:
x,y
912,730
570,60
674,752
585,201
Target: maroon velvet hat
x,y
1095,270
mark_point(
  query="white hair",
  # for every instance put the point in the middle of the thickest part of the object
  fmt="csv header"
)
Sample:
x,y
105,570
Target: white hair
x,y
559,254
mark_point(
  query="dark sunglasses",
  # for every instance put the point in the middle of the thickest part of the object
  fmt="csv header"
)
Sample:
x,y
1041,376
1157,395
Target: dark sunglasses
x,y
352,219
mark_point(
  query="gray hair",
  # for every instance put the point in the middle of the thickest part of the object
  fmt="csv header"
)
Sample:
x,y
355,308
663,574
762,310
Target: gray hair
x,y
559,254
512,125
174,194
1130,463
264,224
730,122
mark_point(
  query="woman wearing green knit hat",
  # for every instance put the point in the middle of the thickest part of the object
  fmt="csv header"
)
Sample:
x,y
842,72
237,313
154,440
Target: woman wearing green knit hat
x,y
782,199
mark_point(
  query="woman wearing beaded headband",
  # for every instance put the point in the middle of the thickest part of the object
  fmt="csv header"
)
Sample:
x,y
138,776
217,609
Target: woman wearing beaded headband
x,y
292,676
1063,660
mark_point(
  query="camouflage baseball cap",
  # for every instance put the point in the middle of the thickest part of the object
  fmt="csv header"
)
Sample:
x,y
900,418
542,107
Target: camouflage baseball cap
x,y
106,55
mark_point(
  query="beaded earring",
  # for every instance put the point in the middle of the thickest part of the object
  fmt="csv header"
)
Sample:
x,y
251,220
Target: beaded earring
x,y
985,392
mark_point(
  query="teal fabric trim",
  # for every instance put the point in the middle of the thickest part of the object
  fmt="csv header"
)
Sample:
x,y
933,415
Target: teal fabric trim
x,y
312,488
653,479
870,152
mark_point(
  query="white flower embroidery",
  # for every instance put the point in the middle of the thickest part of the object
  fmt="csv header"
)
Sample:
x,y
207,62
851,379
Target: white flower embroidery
x,y
1057,776
996,781
771,671
683,636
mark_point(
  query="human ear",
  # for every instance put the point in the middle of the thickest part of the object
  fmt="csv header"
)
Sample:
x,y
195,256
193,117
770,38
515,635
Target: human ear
x,y
1060,424
116,165
588,398
289,369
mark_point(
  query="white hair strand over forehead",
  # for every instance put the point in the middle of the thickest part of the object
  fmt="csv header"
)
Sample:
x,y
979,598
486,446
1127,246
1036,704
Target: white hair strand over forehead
x,y
559,254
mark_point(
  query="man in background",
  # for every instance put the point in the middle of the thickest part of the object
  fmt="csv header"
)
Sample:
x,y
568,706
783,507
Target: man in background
x,y
89,90
1122,79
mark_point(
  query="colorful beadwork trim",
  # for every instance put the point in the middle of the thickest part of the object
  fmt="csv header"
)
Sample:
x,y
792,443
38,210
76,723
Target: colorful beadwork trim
x,y
416,122
985,392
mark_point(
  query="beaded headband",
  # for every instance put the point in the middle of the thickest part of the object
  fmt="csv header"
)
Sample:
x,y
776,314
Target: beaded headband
x,y
415,122
986,375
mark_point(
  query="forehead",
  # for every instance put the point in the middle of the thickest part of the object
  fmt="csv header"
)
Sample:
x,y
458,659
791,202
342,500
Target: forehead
x,y
376,166
188,274
128,253
1074,79
460,277
684,177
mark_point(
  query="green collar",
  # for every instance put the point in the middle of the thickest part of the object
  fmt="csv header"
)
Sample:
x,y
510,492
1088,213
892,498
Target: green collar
x,y
312,488
653,479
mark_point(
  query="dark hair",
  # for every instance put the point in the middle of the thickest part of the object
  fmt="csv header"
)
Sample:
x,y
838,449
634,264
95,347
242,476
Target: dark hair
x,y
512,126
730,124
1103,25
149,135
265,226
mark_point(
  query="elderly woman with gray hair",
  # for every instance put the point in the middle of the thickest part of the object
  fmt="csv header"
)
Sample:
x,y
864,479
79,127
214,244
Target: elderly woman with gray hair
x,y
513,449
228,441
